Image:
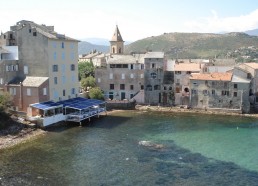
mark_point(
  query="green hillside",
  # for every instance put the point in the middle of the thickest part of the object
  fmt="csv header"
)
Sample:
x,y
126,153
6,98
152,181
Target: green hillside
x,y
195,45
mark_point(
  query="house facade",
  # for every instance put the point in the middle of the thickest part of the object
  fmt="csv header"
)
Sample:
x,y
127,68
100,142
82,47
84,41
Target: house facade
x,y
135,77
42,52
182,74
219,91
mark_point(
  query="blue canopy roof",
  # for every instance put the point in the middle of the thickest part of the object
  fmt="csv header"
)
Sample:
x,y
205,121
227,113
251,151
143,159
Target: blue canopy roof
x,y
46,105
76,103
80,103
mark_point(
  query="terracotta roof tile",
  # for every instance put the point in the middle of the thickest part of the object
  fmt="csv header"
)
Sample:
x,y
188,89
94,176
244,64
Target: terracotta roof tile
x,y
252,65
188,67
216,76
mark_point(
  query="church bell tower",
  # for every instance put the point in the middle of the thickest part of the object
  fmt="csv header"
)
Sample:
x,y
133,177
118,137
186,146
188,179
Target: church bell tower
x,y
117,43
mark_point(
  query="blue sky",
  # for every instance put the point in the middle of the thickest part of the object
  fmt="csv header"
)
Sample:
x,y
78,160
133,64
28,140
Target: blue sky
x,y
136,19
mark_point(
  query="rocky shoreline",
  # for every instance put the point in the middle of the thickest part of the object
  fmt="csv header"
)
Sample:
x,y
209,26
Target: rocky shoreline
x,y
190,110
10,140
17,131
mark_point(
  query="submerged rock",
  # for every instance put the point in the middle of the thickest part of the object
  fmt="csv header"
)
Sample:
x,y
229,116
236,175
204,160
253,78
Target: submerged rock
x,y
151,144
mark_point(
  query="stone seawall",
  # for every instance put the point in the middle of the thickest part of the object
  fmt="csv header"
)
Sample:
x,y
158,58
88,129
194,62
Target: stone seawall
x,y
120,105
190,110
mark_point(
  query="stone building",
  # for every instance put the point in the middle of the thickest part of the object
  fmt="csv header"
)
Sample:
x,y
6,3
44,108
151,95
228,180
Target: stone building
x,y
219,91
153,76
138,76
39,52
250,71
182,74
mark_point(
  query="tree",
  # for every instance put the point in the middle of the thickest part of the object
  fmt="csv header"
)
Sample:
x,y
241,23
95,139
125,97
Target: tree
x,y
85,69
5,101
88,82
96,93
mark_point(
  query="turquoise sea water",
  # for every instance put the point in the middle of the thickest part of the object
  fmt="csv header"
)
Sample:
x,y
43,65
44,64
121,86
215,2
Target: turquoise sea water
x,y
186,149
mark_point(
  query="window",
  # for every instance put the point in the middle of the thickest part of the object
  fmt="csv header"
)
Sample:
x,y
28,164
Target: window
x,y
122,86
131,66
12,91
63,79
225,84
235,94
63,56
44,91
178,90
123,76
55,80
249,76
54,56
213,84
131,96
153,65
165,88
142,66
55,68
34,33
73,91
63,92
110,76
30,30
177,72
111,95
156,87
225,93
73,78
149,88
153,75
188,72
111,86
63,68
170,88
194,91
62,45
26,69
72,67
213,92
72,56
131,87
205,92
28,92
235,85
142,87
131,75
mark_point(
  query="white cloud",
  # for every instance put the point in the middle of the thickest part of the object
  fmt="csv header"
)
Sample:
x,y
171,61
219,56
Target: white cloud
x,y
215,23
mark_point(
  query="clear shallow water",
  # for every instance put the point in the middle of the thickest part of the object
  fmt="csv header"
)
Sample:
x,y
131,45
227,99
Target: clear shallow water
x,y
197,150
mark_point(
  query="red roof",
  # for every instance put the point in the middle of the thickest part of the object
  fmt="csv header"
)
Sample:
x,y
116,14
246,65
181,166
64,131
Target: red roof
x,y
216,76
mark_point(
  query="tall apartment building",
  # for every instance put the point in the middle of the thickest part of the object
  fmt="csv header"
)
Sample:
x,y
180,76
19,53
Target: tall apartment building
x,y
30,51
